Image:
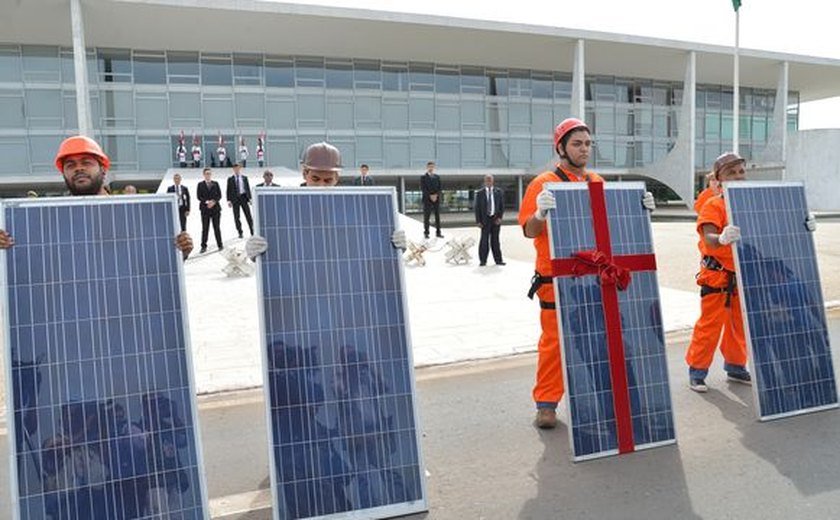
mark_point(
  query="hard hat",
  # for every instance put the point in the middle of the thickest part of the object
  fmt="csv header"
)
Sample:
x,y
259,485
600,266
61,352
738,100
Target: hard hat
x,y
725,159
322,156
565,127
80,144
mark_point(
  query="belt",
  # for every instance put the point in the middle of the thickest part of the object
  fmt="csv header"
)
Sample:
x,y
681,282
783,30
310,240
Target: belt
x,y
706,290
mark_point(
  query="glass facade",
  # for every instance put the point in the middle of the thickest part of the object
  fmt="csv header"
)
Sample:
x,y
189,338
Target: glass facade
x,y
390,115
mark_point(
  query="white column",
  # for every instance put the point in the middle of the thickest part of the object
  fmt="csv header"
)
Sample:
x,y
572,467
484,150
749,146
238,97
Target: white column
x,y
736,80
579,83
80,69
780,113
689,109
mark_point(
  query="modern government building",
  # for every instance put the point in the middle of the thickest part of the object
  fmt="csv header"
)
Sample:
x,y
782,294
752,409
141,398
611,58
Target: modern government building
x,y
392,91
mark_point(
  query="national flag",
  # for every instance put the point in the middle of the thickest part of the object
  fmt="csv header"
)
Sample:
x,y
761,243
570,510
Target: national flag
x,y
736,4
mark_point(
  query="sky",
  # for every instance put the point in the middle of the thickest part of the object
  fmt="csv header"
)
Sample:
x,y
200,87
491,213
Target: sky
x,y
806,27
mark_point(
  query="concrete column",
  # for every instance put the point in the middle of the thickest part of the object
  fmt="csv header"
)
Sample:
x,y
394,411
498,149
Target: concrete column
x,y
520,190
80,69
676,169
769,162
401,198
579,83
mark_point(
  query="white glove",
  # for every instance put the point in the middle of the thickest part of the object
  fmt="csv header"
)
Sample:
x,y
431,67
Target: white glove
x,y
398,239
255,246
811,223
648,202
729,234
545,202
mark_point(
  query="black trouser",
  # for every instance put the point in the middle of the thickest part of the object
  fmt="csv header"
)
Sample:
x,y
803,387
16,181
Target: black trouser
x,y
490,240
428,206
242,203
182,216
206,218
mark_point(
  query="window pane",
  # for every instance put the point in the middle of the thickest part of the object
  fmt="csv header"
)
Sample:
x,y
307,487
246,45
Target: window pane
x,y
447,81
182,63
40,63
520,152
114,65
422,112
43,104
395,78
340,114
154,154
449,153
279,74
309,72
216,71
122,150
473,80
421,77
396,153
422,150
218,113
116,105
395,116
9,64
250,106
367,75
15,160
152,113
340,75
247,69
369,149
472,152
281,114
447,117
472,115
283,153
11,112
184,105
311,109
150,69
368,110
42,151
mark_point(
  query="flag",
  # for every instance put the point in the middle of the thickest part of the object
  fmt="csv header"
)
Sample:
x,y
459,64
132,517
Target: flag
x,y
736,4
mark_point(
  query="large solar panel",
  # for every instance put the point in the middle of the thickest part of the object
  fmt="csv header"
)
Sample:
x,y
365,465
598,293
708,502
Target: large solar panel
x,y
617,390
98,371
338,360
781,299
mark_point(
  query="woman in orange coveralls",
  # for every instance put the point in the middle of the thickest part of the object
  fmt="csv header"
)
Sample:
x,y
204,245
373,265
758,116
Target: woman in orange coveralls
x,y
720,306
573,143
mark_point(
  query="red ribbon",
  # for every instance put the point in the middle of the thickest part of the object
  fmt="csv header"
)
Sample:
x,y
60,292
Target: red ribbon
x,y
614,275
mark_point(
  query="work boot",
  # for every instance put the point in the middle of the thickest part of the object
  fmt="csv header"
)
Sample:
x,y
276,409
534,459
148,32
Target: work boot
x,y
546,418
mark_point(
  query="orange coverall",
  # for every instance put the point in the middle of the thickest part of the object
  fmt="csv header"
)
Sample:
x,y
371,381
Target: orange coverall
x,y
715,316
548,389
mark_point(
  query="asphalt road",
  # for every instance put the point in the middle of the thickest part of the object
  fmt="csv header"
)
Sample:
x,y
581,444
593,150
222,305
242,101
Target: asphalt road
x,y
485,460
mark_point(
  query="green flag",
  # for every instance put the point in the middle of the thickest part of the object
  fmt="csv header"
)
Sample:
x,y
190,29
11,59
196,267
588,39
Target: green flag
x,y
736,4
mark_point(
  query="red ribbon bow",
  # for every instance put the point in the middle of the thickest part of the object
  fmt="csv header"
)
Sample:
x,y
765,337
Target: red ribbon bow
x,y
610,273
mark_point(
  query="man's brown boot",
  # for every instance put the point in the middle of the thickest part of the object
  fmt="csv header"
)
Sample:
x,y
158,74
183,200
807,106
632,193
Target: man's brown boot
x,y
546,418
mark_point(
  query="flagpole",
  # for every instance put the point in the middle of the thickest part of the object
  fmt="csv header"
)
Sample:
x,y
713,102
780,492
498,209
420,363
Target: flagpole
x,y
736,98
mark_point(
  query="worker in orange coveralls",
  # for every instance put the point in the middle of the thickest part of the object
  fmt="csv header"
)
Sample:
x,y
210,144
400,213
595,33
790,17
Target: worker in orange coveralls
x,y
573,143
712,189
719,303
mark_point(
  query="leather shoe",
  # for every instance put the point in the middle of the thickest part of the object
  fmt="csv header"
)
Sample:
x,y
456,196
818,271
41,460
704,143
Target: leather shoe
x,y
482,264
546,418
500,263
203,250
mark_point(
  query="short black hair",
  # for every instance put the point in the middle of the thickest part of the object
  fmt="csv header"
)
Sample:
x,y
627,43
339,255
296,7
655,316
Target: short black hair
x,y
430,163
205,170
364,166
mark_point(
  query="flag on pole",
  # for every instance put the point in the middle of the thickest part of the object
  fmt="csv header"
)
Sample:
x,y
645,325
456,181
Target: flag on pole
x,y
736,4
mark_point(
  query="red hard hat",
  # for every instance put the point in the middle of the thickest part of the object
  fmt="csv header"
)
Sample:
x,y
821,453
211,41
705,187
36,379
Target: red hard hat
x,y
80,144
565,127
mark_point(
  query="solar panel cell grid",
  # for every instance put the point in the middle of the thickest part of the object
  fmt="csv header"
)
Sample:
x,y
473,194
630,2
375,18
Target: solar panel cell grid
x,y
339,372
782,299
101,389
589,385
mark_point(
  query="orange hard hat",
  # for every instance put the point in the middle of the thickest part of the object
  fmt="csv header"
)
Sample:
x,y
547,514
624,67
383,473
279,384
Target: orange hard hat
x,y
565,127
323,157
80,144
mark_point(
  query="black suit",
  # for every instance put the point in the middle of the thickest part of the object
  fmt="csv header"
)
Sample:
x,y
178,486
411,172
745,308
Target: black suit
x,y
430,185
367,180
183,203
240,200
205,193
488,215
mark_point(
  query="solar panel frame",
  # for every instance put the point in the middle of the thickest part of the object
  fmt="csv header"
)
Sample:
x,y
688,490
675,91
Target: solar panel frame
x,y
645,277
733,190
184,330
388,511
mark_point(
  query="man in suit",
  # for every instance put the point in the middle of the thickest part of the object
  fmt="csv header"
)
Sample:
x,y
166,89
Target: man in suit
x,y
489,210
364,179
238,195
268,179
430,186
183,195
209,195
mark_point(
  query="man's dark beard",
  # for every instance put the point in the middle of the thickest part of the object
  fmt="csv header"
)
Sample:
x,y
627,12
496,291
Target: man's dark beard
x,y
92,189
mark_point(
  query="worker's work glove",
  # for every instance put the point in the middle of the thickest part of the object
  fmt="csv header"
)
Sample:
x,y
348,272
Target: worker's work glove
x,y
648,202
398,239
545,202
255,246
811,223
729,234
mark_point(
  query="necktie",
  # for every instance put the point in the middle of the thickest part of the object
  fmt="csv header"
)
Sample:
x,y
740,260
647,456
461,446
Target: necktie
x,y
239,184
490,209
180,198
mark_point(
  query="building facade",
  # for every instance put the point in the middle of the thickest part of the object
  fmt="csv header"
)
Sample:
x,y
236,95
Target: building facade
x,y
471,112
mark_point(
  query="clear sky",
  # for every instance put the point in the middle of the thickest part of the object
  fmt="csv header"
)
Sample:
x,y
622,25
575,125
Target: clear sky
x,y
807,27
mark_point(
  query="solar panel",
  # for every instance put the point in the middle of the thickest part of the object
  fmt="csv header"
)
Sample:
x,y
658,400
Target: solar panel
x,y
100,379
781,299
612,340
339,374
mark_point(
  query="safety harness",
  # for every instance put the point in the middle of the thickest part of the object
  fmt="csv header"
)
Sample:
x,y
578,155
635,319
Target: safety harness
x,y
711,263
538,279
